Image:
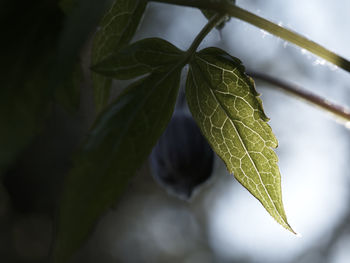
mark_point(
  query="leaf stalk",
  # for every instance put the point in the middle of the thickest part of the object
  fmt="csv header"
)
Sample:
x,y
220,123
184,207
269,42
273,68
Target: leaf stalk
x,y
204,32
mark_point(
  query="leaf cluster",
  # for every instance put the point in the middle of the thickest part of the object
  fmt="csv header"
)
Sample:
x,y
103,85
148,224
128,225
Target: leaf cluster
x,y
42,68
221,98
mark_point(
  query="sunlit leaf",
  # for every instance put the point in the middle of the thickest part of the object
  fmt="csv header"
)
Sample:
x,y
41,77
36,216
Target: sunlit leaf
x,y
116,30
226,106
145,56
117,145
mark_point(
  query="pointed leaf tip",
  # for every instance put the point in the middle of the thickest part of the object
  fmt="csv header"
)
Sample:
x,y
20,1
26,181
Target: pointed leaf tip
x,y
226,106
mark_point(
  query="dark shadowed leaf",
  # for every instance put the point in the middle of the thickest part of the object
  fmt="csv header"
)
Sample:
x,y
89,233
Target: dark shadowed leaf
x,y
117,145
78,25
115,30
144,56
226,106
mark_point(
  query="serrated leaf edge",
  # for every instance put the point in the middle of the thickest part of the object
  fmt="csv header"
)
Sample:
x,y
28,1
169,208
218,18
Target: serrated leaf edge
x,y
265,119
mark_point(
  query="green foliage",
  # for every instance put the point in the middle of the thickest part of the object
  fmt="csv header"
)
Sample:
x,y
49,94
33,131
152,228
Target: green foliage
x,y
115,31
226,106
40,66
118,143
144,56
221,98
78,25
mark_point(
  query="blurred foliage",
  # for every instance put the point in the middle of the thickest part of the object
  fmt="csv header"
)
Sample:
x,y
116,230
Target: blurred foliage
x,y
27,50
39,66
78,26
68,5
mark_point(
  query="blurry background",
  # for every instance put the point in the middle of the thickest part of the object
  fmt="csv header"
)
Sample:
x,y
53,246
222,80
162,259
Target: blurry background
x,y
222,222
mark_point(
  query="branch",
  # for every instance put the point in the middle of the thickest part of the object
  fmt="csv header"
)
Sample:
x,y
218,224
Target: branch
x,y
279,31
339,111
204,32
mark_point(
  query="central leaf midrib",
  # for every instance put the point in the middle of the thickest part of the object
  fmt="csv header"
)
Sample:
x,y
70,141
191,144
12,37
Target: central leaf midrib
x,y
177,66
239,136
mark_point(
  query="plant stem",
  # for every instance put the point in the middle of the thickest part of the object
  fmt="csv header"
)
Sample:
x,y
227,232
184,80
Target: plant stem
x,y
339,111
203,33
279,31
198,39
290,36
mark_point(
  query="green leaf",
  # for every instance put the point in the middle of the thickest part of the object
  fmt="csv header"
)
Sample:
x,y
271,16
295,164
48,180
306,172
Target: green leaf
x,y
145,56
115,31
118,143
78,26
226,106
